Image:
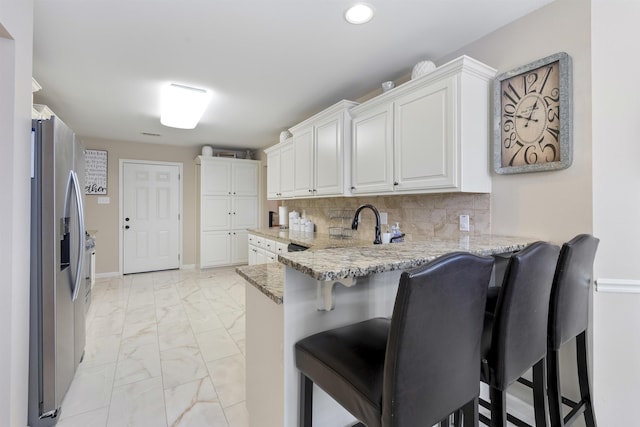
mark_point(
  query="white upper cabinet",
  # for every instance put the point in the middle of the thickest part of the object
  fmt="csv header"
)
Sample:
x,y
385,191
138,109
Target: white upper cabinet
x,y
372,145
216,177
428,135
423,134
280,170
303,162
321,147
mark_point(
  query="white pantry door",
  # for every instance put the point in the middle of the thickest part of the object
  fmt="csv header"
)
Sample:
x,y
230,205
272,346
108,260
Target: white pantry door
x,y
150,217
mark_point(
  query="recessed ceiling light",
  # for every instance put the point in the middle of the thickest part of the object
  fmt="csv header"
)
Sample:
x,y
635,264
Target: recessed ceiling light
x,y
183,106
360,13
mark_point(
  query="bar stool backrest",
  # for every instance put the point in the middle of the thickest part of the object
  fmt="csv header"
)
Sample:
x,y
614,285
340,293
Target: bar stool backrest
x,y
569,305
433,351
519,337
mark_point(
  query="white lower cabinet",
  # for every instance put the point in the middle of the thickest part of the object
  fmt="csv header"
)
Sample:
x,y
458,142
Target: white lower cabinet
x,y
263,251
220,248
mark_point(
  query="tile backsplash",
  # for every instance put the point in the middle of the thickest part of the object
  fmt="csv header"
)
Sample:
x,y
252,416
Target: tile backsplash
x,y
421,216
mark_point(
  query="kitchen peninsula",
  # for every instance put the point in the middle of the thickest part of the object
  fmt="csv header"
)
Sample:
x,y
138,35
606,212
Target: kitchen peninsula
x,y
311,291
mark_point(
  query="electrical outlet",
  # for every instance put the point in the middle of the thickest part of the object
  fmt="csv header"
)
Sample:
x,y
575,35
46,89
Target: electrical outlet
x,y
464,222
384,219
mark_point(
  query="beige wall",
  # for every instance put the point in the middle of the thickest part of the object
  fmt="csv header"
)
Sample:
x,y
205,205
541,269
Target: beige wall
x,y
105,217
551,205
16,40
616,208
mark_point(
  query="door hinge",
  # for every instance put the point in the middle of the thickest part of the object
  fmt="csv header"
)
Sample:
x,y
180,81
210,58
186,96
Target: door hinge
x,y
178,217
178,257
178,177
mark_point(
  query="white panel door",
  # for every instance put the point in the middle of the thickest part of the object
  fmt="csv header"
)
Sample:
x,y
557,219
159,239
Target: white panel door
x,y
244,213
424,138
303,163
245,179
273,175
151,223
329,157
372,151
215,248
216,213
286,170
215,177
239,247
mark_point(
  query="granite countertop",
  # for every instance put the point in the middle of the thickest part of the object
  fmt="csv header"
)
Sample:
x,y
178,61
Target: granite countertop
x,y
340,263
313,241
361,259
267,278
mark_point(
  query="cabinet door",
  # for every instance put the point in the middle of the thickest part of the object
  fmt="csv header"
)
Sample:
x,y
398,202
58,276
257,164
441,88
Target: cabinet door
x,y
253,255
273,174
239,247
245,179
303,163
424,149
286,170
215,248
244,213
215,177
372,150
329,157
216,213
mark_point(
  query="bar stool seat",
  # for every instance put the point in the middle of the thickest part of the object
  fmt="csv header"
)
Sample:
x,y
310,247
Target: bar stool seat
x,y
415,368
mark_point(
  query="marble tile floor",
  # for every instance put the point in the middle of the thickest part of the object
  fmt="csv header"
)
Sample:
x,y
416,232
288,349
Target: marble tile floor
x,y
163,349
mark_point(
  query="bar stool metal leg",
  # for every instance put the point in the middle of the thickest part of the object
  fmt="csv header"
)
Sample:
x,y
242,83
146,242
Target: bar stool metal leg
x,y
306,401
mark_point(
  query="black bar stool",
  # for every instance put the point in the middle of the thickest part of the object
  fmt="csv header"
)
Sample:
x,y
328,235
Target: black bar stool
x,y
568,319
515,332
415,368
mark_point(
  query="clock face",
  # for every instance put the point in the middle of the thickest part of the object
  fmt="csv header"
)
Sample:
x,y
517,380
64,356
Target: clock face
x,y
530,117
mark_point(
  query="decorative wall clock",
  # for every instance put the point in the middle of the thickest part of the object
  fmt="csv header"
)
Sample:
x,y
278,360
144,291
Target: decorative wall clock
x,y
533,117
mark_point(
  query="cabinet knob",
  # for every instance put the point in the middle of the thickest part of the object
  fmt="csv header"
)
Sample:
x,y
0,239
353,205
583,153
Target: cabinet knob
x,y
126,227
310,191
395,183
353,188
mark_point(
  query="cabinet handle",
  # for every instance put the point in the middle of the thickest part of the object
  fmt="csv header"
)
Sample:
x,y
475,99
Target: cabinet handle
x,y
310,191
395,183
353,188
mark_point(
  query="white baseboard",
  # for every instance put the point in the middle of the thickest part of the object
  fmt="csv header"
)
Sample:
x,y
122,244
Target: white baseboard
x,y
188,267
618,286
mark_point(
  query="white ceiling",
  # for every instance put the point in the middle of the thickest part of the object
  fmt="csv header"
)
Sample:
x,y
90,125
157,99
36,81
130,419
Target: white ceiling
x,y
270,63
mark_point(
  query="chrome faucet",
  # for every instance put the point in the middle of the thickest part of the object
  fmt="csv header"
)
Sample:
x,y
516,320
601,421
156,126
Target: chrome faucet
x,y
354,224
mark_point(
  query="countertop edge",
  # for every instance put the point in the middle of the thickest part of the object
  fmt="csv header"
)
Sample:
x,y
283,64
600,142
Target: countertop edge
x,y
267,278
341,263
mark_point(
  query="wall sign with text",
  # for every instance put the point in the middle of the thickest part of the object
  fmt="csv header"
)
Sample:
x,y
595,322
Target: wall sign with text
x,y
95,172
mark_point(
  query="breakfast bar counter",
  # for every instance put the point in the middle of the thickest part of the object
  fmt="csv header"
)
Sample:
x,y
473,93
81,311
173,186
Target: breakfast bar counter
x,y
315,290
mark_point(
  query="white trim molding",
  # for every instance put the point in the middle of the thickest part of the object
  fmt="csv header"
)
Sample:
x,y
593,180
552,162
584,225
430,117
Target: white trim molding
x,y
619,286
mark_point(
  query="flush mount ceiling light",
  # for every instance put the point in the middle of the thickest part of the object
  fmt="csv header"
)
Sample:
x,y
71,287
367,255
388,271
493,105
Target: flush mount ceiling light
x,y
360,13
183,106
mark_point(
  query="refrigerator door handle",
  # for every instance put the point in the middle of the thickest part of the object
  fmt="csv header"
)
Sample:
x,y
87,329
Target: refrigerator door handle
x,y
73,180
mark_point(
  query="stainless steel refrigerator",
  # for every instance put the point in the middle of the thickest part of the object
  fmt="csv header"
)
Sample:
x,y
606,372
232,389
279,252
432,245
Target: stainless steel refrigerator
x,y
57,328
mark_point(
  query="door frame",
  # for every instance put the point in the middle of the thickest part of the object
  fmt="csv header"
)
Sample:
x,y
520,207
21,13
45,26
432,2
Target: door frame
x,y
121,206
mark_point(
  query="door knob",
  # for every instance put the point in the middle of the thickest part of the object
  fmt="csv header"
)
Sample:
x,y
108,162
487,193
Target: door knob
x,y
126,227
126,219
